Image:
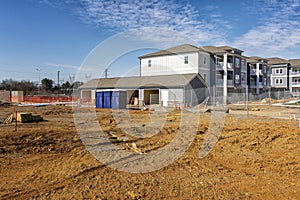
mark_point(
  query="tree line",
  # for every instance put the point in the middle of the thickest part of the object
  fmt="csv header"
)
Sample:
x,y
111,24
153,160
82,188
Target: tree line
x,y
46,87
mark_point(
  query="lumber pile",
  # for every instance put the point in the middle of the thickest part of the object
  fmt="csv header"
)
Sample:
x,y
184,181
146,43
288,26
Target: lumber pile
x,y
7,120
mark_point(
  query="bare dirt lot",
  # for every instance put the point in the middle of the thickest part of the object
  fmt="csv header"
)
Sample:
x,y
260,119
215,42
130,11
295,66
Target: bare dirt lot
x,y
256,157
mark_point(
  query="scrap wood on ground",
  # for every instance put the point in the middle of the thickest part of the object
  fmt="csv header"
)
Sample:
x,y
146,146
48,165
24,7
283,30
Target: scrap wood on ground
x,y
21,117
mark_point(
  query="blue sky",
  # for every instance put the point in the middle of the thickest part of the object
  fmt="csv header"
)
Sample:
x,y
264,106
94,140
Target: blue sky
x,y
58,35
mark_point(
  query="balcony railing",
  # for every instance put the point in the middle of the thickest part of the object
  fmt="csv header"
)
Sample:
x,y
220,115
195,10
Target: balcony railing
x,y
253,72
253,84
295,73
219,82
296,83
229,82
221,65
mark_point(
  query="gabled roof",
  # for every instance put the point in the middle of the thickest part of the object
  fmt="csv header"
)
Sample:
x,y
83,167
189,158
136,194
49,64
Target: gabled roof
x,y
256,59
135,82
276,60
222,50
213,49
230,48
184,48
294,62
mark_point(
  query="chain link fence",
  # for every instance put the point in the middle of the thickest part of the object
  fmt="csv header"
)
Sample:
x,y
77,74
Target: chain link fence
x,y
241,97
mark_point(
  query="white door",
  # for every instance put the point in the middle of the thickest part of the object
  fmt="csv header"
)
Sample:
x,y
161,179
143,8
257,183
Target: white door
x,y
165,97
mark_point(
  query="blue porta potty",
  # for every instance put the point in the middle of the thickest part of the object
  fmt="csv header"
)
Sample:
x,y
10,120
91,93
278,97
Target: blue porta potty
x,y
99,99
107,99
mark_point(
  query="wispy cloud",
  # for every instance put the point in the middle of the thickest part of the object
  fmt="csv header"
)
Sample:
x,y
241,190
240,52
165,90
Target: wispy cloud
x,y
179,16
277,33
63,66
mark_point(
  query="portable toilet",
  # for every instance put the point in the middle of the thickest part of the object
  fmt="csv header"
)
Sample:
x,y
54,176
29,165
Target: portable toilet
x,y
107,99
99,99
118,99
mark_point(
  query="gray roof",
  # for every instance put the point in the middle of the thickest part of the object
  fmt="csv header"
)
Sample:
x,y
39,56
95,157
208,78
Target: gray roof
x,y
222,50
184,48
256,59
276,60
176,80
294,62
213,49
230,48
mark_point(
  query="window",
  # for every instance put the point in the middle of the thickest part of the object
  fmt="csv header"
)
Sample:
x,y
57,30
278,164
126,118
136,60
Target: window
x,y
278,71
186,60
278,81
149,63
237,62
243,63
204,77
204,60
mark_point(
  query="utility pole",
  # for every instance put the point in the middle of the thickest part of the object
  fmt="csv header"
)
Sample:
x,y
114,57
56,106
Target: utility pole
x,y
58,82
106,72
39,73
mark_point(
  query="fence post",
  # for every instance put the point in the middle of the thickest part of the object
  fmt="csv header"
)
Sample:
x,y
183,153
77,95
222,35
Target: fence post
x,y
247,101
16,120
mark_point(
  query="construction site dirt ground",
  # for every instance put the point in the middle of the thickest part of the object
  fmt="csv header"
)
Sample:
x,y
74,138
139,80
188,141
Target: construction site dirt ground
x,y
257,156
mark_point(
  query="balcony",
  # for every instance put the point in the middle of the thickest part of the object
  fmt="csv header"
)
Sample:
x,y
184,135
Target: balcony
x,y
295,84
244,68
253,72
229,82
220,66
253,84
295,73
219,82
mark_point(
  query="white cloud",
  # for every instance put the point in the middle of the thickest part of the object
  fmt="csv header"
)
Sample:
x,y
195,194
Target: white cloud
x,y
278,31
63,66
179,16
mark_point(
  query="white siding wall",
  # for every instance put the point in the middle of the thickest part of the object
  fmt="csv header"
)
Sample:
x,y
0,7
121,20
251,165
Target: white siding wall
x,y
170,64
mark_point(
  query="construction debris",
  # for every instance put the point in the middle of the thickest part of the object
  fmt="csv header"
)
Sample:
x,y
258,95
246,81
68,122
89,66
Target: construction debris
x,y
7,120
28,117
134,148
147,108
21,117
